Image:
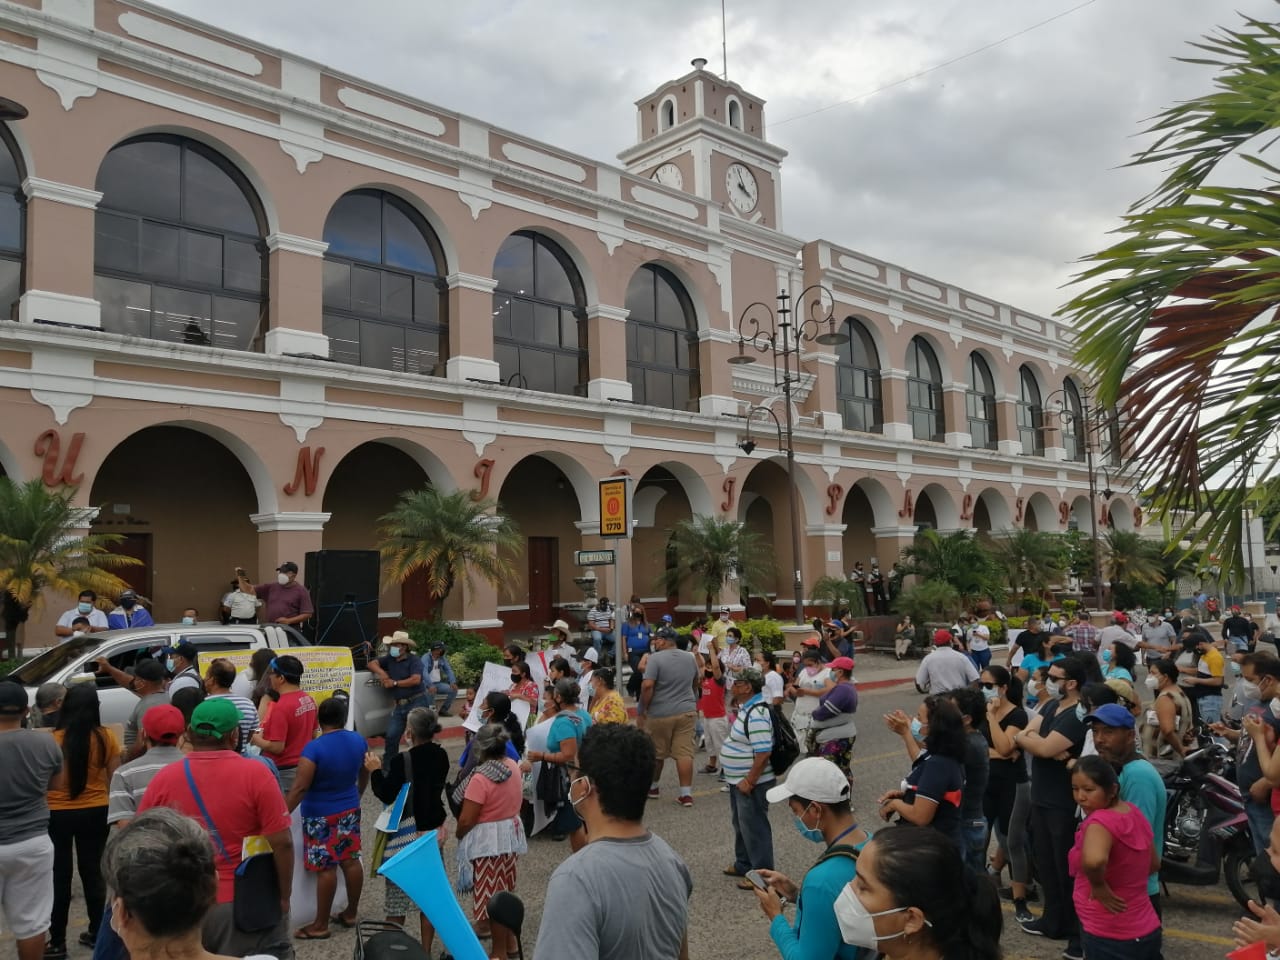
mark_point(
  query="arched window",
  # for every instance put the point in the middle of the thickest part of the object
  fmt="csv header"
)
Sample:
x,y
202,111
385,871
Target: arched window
x,y
385,303
662,340
1075,431
1030,413
667,114
924,391
735,113
539,316
858,380
13,227
178,251
980,403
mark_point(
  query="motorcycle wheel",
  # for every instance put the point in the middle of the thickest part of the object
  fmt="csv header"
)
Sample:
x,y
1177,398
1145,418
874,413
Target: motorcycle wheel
x,y
1237,864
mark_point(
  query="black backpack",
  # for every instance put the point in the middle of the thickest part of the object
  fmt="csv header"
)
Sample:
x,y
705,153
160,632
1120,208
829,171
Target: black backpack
x,y
786,745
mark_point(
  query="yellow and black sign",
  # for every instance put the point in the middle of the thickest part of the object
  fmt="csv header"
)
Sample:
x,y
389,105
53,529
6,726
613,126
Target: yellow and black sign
x,y
614,521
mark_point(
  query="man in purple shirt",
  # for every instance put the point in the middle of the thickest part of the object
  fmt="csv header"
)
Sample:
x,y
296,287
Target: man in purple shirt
x,y
285,601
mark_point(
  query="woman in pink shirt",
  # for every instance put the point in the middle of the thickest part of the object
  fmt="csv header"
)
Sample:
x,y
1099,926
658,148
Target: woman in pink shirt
x,y
1114,853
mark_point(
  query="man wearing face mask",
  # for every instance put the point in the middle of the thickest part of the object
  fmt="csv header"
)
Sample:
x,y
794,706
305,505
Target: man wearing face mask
x,y
85,607
626,893
400,671
1261,675
285,601
129,613
1158,639
190,617
1059,739
181,664
817,794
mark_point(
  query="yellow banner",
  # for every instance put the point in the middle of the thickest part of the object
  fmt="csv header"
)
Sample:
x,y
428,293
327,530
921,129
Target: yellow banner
x,y
613,508
325,669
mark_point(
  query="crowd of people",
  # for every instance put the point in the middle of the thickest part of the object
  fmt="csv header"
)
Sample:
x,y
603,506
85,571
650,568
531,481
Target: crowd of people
x,y
1047,766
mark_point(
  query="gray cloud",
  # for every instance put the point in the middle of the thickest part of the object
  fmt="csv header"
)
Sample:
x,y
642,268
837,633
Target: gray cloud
x,y
995,173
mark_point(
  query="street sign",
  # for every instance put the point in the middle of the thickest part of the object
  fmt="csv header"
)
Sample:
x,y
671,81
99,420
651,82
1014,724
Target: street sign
x,y
594,558
614,520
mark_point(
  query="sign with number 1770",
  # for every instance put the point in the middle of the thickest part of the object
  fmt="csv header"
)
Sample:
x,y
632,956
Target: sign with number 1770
x,y
614,521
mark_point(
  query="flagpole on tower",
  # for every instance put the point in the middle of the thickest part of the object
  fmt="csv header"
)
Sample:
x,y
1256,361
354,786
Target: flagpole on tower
x,y
724,43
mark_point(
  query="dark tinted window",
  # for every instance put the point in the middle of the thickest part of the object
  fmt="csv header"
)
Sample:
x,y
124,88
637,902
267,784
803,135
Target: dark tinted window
x,y
539,316
384,299
924,391
980,403
858,379
1030,413
178,246
1074,428
662,340
12,228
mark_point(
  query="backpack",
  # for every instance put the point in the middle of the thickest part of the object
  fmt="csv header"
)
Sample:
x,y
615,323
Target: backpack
x,y
786,745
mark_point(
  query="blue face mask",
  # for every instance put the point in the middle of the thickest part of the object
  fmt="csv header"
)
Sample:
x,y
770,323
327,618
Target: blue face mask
x,y
1106,656
169,664
990,693
188,621
84,607
809,833
917,728
1081,712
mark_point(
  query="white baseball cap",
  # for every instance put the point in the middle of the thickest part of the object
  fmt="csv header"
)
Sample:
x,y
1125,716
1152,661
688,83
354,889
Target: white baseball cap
x,y
591,656
813,778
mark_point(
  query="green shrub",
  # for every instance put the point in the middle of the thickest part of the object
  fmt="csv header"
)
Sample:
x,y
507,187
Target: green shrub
x,y
8,666
467,652
766,631
929,601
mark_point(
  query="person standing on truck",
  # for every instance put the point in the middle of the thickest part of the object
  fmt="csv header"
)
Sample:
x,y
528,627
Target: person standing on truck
x,y
290,724
401,671
85,607
286,601
240,604
129,613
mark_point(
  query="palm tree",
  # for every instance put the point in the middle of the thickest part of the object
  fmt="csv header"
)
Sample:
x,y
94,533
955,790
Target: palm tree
x,y
1131,560
1031,560
957,558
41,551
707,550
840,592
1178,323
447,536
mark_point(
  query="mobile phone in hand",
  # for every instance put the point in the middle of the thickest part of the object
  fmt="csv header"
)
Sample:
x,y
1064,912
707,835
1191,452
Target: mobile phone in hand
x,y
759,881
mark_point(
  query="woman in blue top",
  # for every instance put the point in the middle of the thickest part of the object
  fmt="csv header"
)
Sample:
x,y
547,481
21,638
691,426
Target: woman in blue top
x,y
330,779
564,738
817,793
1033,661
1118,662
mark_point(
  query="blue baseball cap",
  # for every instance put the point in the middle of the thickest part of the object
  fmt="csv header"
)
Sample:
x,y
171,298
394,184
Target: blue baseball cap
x,y
666,618
1111,715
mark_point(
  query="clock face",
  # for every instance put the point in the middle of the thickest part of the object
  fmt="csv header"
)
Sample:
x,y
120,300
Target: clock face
x,y
669,175
744,193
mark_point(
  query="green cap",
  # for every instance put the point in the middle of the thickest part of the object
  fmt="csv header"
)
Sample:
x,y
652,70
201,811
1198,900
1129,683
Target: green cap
x,y
752,676
215,717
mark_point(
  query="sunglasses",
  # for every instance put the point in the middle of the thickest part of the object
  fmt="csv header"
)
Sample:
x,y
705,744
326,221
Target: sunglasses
x,y
989,686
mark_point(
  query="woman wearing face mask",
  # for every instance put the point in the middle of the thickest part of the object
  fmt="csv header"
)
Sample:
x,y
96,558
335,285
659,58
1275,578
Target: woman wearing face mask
x,y
1007,803
931,793
832,730
1037,694
1118,662
1113,854
811,684
523,686
912,899
817,795
606,704
1039,656
568,726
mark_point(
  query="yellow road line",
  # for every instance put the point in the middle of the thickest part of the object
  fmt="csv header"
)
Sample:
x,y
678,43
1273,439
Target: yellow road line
x,y
1176,934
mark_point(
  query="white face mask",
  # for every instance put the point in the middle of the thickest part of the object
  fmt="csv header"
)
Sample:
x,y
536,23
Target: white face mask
x,y
1275,706
1052,688
1251,691
857,924
1152,681
1033,688
282,579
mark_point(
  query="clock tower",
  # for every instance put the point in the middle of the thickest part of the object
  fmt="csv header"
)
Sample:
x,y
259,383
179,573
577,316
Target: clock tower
x,y
705,136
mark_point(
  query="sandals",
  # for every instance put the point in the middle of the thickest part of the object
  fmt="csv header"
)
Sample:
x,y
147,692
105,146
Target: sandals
x,y
302,933
732,872
340,921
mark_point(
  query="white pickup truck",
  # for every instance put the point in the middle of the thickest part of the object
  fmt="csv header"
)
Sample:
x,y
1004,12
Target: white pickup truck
x,y
72,661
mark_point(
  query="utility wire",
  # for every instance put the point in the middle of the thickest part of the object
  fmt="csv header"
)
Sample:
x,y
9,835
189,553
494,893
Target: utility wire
x,y
937,66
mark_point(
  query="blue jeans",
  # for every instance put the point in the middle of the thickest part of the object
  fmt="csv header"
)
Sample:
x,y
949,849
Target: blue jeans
x,y
1261,819
975,836
752,834
108,946
450,694
1104,948
396,724
603,642
980,658
1211,708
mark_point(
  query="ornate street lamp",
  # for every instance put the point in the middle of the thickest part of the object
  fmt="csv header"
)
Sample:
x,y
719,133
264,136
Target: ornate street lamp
x,y
774,331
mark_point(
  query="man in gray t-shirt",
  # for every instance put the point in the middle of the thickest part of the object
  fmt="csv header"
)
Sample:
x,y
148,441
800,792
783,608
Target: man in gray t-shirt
x,y
31,762
671,711
626,893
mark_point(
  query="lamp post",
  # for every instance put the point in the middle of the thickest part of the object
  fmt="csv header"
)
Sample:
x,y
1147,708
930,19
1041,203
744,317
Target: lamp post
x,y
1087,424
773,330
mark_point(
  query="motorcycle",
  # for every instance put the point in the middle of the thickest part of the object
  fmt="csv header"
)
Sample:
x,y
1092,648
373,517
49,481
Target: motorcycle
x,y
1206,832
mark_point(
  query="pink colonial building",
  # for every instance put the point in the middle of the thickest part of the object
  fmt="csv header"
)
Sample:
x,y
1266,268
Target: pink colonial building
x,y
250,300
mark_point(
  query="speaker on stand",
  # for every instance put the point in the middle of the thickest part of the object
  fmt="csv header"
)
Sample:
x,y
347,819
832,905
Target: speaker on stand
x,y
344,593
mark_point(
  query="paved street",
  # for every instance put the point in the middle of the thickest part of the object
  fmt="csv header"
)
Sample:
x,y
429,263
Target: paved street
x,y
727,924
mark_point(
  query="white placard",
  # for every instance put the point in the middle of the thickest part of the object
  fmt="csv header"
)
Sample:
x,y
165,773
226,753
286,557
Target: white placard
x,y
496,676
536,739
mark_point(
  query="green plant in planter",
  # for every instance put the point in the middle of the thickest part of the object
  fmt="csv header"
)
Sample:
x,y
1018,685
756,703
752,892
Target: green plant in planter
x,y
930,601
840,592
766,631
467,652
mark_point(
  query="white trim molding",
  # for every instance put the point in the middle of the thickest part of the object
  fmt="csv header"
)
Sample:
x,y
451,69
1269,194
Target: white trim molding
x,y
51,307
282,522
606,312
37,189
290,243
285,340
471,281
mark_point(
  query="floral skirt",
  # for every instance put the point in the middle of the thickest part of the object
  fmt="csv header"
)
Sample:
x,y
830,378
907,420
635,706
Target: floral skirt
x,y
839,751
328,841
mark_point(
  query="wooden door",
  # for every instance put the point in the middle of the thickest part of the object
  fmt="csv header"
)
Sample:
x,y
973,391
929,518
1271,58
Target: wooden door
x,y
544,565
138,546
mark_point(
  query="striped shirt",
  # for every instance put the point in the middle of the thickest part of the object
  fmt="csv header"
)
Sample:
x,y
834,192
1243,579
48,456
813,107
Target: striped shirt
x,y
248,716
130,780
751,733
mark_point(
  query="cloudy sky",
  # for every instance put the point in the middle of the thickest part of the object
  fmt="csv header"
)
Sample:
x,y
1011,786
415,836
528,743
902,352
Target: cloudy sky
x,y
995,172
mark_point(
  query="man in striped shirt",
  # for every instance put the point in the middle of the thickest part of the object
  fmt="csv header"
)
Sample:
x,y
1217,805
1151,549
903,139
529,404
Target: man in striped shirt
x,y
218,678
744,758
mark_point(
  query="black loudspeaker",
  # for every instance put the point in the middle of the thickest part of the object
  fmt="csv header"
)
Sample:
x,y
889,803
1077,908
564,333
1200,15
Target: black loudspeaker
x,y
344,592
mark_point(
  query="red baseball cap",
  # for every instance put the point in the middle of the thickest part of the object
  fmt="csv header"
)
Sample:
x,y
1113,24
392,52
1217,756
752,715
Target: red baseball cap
x,y
163,724
841,663
941,637
809,642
